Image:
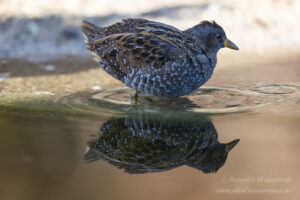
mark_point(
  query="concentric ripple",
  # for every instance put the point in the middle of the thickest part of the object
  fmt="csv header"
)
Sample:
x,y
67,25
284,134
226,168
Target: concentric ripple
x,y
213,100
204,100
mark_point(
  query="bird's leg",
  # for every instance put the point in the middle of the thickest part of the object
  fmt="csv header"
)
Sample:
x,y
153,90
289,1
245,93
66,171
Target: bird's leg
x,y
134,97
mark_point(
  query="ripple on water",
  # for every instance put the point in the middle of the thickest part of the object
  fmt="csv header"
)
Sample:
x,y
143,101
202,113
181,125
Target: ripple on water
x,y
203,100
276,89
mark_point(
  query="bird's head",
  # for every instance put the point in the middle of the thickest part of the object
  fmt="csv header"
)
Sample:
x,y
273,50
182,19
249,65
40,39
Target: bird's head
x,y
211,37
214,157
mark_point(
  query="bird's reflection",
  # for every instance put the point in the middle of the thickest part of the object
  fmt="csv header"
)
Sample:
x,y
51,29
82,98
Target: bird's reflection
x,y
149,143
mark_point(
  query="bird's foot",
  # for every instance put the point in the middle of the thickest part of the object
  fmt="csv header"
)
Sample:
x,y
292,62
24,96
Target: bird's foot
x,y
134,98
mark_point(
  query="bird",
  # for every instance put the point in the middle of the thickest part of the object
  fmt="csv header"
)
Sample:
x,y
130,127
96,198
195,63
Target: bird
x,y
145,143
156,59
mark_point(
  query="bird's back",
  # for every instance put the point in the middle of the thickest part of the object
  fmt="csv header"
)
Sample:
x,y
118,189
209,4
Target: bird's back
x,y
154,58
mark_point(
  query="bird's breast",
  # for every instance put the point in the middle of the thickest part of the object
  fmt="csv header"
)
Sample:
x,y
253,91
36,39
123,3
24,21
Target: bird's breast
x,y
175,78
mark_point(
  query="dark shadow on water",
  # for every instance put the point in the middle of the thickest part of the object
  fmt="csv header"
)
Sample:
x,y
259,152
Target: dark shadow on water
x,y
146,142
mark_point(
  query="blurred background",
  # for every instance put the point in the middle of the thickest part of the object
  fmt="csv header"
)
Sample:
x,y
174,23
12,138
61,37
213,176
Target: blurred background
x,y
50,28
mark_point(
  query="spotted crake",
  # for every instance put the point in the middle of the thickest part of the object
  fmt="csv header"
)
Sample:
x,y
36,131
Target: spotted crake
x,y
157,59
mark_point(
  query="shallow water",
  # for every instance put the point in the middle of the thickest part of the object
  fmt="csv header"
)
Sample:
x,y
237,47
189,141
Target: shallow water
x,y
94,145
149,155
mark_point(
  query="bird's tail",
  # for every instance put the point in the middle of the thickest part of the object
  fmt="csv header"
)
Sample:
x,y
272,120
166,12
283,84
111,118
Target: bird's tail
x,y
92,155
90,31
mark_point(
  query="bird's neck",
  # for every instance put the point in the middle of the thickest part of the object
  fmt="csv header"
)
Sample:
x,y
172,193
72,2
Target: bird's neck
x,y
196,42
199,42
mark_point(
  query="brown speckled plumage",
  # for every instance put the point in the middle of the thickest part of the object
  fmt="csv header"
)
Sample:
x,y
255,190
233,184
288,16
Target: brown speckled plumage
x,y
154,58
152,143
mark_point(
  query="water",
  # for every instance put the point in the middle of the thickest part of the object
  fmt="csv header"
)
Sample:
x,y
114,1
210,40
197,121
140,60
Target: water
x,y
222,142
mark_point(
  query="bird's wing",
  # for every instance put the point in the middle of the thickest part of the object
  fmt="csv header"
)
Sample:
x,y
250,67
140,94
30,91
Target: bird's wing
x,y
93,32
126,26
163,31
120,53
134,25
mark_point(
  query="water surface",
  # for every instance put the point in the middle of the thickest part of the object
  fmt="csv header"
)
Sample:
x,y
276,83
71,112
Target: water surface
x,y
238,141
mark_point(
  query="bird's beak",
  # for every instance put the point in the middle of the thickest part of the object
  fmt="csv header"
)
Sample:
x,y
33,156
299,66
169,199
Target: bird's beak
x,y
231,144
230,45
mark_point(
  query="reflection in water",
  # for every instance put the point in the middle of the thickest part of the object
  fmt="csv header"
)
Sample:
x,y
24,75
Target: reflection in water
x,y
145,143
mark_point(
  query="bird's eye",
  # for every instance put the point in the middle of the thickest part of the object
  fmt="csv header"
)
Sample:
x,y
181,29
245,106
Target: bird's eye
x,y
219,37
